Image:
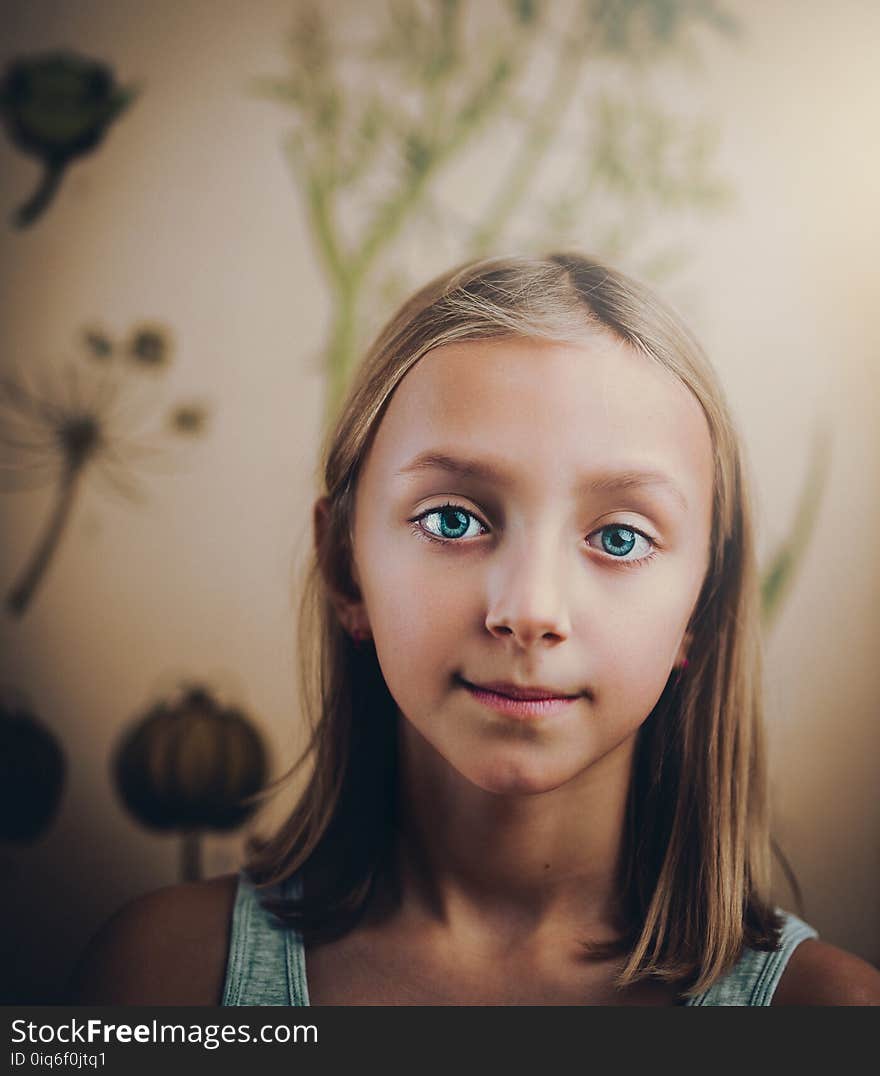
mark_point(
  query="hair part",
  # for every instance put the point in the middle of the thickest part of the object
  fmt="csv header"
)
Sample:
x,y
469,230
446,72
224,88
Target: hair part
x,y
694,870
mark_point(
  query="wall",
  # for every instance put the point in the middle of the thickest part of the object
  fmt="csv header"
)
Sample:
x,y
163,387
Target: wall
x,y
188,214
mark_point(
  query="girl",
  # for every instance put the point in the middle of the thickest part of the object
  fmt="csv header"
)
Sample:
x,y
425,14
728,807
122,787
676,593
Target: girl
x,y
530,647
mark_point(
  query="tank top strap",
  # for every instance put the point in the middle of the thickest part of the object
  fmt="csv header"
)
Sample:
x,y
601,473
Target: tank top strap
x,y
266,963
755,976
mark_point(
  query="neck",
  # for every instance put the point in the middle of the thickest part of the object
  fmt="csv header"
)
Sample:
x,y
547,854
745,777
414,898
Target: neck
x,y
477,863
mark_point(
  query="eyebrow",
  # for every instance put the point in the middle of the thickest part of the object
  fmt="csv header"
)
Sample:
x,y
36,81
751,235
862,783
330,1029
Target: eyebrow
x,y
606,482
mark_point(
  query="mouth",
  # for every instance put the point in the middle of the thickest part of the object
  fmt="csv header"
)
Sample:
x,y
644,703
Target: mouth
x,y
519,701
518,691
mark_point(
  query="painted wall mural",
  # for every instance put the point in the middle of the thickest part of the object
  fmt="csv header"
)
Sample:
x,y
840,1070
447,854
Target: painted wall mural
x,y
61,422
414,133
381,114
57,107
191,765
436,92
32,771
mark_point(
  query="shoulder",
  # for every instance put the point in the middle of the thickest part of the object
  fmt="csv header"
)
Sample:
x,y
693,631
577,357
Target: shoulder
x,y
168,947
822,974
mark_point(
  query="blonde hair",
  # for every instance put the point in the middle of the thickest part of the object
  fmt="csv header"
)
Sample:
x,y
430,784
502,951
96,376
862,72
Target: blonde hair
x,y
695,867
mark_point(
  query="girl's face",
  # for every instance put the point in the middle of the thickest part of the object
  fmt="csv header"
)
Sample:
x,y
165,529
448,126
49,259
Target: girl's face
x,y
532,514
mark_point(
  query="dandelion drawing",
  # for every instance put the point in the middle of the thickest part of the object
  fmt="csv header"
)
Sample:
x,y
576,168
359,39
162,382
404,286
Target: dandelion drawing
x,y
149,346
87,416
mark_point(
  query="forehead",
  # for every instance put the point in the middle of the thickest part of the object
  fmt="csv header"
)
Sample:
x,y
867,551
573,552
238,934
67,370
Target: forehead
x,y
549,410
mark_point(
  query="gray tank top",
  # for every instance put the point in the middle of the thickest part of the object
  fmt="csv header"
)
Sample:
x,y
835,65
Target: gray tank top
x,y
266,963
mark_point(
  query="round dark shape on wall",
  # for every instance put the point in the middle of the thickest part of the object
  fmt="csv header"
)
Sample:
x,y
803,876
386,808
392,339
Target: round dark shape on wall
x,y
189,763
32,772
57,105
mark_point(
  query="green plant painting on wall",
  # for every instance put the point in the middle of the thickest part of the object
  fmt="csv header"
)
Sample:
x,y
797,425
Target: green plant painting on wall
x,y
59,424
785,560
56,107
383,108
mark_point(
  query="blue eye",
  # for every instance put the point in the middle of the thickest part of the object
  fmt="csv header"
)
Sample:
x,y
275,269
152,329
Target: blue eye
x,y
452,522
619,541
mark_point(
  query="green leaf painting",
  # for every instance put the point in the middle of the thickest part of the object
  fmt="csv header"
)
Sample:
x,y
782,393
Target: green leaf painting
x,y
786,559
381,110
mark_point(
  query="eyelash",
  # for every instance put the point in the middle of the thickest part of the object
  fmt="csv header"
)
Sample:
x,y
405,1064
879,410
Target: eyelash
x,y
420,532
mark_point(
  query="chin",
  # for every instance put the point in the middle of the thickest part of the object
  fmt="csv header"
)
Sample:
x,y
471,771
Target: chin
x,y
515,779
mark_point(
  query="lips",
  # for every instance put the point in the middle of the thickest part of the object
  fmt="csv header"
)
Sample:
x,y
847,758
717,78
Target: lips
x,y
517,691
540,704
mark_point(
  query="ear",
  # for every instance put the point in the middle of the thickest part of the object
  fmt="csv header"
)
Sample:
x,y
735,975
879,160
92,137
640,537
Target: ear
x,y
345,592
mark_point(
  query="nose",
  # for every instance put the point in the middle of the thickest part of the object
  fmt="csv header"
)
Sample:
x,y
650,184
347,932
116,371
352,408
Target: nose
x,y
528,593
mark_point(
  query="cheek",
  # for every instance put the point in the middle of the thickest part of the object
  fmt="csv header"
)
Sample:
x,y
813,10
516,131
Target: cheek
x,y
416,610
637,635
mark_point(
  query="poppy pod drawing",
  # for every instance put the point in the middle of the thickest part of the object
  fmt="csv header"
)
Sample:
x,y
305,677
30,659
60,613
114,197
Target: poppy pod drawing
x,y
191,765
